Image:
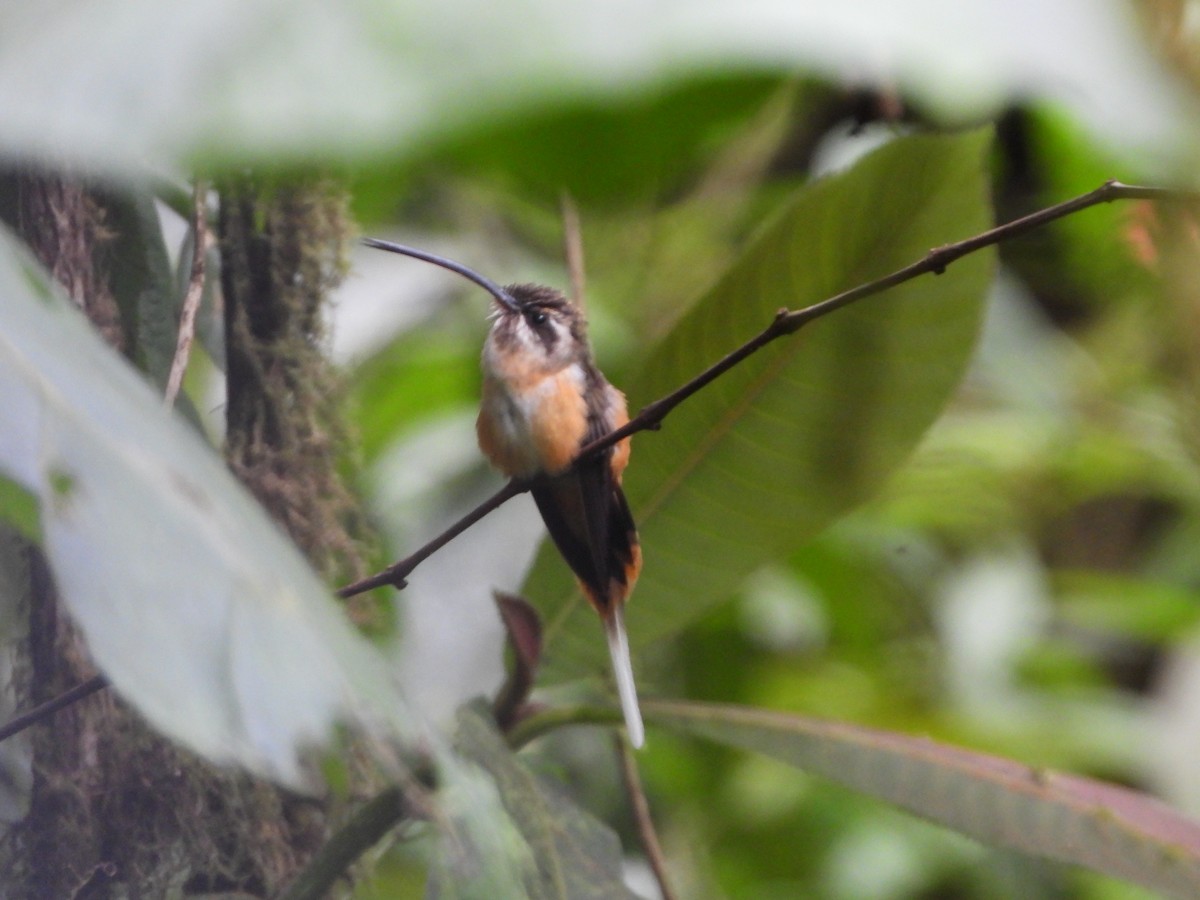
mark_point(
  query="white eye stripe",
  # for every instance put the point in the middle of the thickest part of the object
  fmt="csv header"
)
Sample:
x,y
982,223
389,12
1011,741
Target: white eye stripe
x,y
550,346
560,328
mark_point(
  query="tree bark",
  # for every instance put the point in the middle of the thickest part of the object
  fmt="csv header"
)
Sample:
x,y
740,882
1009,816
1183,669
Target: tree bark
x,y
114,810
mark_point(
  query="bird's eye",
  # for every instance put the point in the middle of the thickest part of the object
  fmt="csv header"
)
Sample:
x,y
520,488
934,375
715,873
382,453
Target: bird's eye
x,y
537,317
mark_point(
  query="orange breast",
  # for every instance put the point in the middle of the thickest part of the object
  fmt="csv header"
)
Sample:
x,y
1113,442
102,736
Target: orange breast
x,y
535,426
559,420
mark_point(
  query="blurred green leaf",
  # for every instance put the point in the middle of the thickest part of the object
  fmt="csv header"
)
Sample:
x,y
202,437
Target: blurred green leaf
x,y
571,854
423,373
766,456
476,857
650,144
1091,255
192,602
292,81
142,281
18,507
145,287
1148,609
1064,817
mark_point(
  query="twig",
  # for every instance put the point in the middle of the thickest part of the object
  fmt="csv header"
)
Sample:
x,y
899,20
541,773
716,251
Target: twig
x,y
44,710
397,573
573,248
785,322
191,299
640,807
935,261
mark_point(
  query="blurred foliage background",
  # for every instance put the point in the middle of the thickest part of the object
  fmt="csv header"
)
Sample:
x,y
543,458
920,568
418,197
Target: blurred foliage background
x,y
1026,583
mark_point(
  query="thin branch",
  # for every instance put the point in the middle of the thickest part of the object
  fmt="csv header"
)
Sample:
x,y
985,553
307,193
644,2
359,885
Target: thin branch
x,y
786,322
397,573
640,807
573,248
191,299
934,262
44,710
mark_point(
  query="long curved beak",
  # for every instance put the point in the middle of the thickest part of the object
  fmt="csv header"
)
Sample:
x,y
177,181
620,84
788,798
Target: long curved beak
x,y
502,296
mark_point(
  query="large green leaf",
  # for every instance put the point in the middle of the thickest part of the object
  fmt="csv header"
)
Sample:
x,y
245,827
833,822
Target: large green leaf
x,y
1064,817
194,605
758,462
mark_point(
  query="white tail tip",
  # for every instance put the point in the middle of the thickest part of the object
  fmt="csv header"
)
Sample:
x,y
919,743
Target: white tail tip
x,y
618,649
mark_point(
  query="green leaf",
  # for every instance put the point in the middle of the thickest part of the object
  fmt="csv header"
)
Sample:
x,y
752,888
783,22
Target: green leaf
x,y
142,281
476,856
650,145
1063,817
422,374
1142,608
570,854
757,463
1087,255
19,508
192,602
269,81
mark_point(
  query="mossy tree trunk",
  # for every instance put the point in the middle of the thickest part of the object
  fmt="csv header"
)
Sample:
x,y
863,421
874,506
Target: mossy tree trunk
x,y
114,810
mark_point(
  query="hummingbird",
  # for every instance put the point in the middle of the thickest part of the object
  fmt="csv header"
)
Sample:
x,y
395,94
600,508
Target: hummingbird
x,y
544,399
